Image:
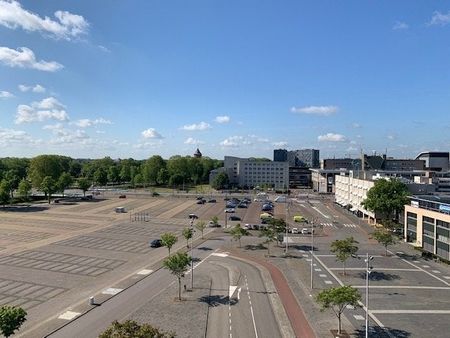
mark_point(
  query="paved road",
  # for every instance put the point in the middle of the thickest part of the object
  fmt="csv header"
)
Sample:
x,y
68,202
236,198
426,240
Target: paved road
x,y
248,312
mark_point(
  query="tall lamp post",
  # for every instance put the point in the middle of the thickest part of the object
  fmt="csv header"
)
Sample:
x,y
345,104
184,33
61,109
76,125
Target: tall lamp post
x,y
312,254
287,226
368,271
192,253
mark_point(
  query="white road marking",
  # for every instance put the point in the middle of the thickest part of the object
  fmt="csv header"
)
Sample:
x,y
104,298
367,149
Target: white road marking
x,y
231,291
239,293
328,282
144,272
403,287
400,253
314,264
220,254
69,315
302,251
350,307
435,271
412,311
358,317
378,269
111,291
416,262
305,255
308,259
320,212
322,275
318,270
251,308
425,266
447,277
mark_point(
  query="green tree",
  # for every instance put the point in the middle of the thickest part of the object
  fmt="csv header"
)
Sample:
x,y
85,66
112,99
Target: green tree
x,y
11,318
178,265
221,181
84,184
13,180
270,234
215,220
385,238
279,226
168,240
151,169
188,233
64,181
130,328
138,180
237,232
47,165
48,186
5,197
201,226
337,300
101,177
386,198
163,176
113,174
344,249
24,189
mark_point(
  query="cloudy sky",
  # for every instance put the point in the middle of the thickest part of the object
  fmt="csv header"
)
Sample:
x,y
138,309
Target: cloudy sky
x,y
138,77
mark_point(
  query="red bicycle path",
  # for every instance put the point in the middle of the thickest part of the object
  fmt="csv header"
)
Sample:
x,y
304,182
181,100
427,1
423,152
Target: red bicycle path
x,y
299,323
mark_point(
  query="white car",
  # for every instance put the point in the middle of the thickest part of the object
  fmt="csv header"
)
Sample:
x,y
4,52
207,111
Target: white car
x,y
247,227
306,231
230,210
295,230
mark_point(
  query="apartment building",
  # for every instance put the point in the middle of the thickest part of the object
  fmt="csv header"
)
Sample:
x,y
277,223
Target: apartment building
x,y
250,172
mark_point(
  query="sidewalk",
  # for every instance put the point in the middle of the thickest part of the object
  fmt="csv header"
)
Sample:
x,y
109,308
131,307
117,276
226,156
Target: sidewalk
x,y
296,316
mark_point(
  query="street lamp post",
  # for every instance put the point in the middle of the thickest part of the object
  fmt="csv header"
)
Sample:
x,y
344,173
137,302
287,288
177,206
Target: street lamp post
x,y
368,271
287,226
192,258
312,254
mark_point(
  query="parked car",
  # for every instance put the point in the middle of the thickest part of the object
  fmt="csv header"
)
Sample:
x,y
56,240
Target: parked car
x,y
299,218
295,230
211,200
265,215
211,224
234,218
193,216
307,231
230,210
242,205
201,202
247,226
156,243
199,198
123,196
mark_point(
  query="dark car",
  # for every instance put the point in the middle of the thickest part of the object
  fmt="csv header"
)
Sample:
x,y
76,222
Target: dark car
x,y
234,218
242,205
123,196
200,201
193,216
156,243
199,198
212,200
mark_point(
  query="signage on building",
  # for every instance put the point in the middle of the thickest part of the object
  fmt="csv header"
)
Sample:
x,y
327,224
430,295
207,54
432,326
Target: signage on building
x,y
445,208
415,204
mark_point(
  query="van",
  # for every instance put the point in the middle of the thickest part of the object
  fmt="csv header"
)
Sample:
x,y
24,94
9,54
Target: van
x,y
299,218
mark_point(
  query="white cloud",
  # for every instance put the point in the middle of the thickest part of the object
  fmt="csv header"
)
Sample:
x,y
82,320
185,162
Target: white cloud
x,y
104,49
193,141
280,144
84,123
66,26
35,89
316,110
331,137
151,133
356,125
400,25
47,109
5,95
439,19
24,58
195,127
67,136
392,137
232,142
222,119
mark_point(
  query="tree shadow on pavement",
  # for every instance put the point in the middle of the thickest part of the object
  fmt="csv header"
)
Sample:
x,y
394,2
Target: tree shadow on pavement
x,y
204,248
217,300
378,275
303,247
386,332
255,247
25,208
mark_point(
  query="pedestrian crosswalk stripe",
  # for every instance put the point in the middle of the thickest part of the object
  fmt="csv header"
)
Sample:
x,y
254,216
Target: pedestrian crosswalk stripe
x,y
327,224
350,225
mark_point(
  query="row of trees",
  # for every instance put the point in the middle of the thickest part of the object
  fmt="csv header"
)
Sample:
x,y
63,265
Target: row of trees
x,y
54,173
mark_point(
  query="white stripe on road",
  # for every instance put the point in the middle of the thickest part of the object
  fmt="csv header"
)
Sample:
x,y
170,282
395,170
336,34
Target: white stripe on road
x,y
444,312
69,315
378,269
403,287
251,307
320,212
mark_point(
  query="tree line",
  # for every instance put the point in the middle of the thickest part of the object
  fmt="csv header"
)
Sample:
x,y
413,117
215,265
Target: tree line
x,y
54,173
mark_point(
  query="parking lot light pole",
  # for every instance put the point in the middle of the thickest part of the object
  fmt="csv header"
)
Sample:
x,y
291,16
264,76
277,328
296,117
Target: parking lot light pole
x,y
368,271
287,226
312,254
192,258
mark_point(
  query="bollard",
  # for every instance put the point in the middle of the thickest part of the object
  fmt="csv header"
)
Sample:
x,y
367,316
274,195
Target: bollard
x,y
91,301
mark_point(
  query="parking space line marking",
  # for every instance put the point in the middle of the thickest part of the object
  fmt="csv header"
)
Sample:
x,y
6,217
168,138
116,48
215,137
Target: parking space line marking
x,y
375,319
305,255
358,317
144,272
425,266
403,287
318,270
447,277
322,275
350,307
308,259
378,269
435,271
436,277
111,291
412,311
328,282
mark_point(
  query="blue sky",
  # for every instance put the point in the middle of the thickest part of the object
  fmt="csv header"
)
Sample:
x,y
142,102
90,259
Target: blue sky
x,y
137,78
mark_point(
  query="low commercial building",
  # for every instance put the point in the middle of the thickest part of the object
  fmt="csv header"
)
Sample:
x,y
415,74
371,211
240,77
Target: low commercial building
x,y
427,224
323,180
